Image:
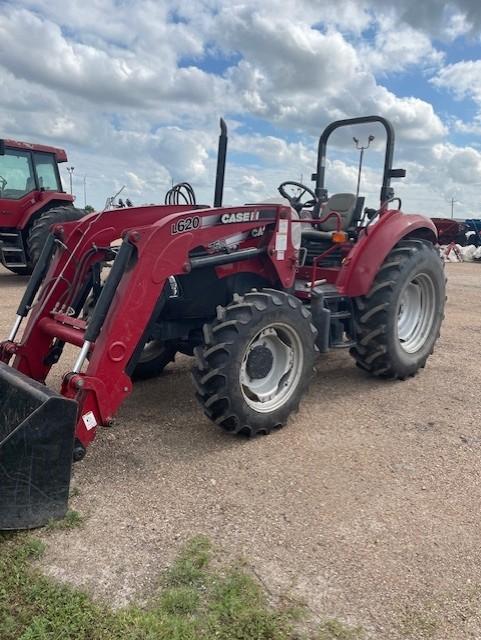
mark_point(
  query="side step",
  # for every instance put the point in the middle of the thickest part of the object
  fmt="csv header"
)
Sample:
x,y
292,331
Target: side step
x,y
329,319
36,443
12,251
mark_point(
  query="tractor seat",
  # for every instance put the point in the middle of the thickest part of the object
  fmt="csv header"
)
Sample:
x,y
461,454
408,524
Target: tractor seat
x,y
346,205
342,203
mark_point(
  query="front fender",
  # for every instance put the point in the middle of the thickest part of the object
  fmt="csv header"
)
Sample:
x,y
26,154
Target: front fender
x,y
363,262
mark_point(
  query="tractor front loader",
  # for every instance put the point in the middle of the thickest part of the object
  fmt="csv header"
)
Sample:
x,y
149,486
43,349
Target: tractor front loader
x,y
253,291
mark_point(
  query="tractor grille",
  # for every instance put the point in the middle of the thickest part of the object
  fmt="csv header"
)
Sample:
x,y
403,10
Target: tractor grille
x,y
12,252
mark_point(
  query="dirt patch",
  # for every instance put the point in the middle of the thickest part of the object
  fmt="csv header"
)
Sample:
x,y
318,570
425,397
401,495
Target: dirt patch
x,y
366,506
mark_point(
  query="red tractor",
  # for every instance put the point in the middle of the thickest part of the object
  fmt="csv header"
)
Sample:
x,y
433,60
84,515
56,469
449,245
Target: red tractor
x,y
254,292
31,200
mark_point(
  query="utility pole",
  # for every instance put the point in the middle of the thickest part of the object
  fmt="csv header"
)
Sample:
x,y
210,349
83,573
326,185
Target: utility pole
x,y
452,207
361,156
70,172
85,191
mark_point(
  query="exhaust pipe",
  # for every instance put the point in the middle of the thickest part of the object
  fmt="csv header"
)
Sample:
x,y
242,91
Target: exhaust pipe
x,y
220,171
37,428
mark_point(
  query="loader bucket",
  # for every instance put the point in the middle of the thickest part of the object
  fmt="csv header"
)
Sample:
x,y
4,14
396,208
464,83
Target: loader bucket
x,y
36,442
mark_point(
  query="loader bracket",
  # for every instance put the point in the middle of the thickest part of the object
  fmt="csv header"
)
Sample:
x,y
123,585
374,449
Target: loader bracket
x,y
36,443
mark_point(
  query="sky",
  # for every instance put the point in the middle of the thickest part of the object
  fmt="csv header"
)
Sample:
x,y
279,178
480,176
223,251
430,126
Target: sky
x,y
133,90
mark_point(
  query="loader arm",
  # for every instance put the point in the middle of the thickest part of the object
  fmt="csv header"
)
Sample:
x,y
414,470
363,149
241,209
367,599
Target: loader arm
x,y
41,431
148,256
134,292
78,245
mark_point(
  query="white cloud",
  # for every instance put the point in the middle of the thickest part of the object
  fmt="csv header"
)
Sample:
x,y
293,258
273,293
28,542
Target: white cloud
x,y
473,128
251,184
462,78
105,75
397,47
462,165
299,77
443,19
274,150
463,81
120,85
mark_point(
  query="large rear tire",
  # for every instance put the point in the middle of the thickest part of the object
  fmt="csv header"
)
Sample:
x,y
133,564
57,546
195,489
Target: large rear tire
x,y
399,320
41,228
256,362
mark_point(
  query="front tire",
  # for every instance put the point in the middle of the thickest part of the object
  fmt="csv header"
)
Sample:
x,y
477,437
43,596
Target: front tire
x,y
256,362
399,320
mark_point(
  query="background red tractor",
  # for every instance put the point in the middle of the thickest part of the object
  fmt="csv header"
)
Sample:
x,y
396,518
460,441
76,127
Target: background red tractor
x,y
255,292
31,200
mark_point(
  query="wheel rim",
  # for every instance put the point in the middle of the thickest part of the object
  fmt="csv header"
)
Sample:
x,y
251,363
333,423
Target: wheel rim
x,y
271,367
416,313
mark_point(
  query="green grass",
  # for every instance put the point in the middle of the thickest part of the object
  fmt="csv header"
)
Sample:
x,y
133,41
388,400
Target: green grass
x,y
71,520
194,602
420,624
335,630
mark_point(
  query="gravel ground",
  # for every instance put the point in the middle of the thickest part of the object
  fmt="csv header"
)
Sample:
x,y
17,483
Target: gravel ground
x,y
366,506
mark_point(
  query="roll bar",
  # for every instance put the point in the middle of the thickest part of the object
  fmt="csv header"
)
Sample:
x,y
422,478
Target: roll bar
x,y
387,192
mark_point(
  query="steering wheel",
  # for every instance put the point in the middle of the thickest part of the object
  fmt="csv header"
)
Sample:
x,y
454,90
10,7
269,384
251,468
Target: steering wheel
x,y
3,183
296,200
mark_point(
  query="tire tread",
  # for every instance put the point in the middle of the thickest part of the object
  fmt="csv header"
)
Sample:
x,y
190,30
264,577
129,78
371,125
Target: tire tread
x,y
371,351
223,335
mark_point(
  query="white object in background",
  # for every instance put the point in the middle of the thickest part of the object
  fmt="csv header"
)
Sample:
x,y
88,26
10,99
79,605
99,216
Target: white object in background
x,y
468,252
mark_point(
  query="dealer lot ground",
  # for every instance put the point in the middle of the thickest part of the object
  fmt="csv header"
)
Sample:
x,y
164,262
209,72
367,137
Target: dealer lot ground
x,y
366,506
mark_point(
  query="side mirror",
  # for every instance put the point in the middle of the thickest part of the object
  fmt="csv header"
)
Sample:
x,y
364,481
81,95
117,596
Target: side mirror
x,y
397,173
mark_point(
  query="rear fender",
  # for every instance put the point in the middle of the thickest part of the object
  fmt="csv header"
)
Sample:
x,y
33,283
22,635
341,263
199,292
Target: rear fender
x,y
363,262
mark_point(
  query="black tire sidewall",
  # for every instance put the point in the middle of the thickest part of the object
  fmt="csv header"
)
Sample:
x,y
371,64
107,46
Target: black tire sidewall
x,y
41,226
427,262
